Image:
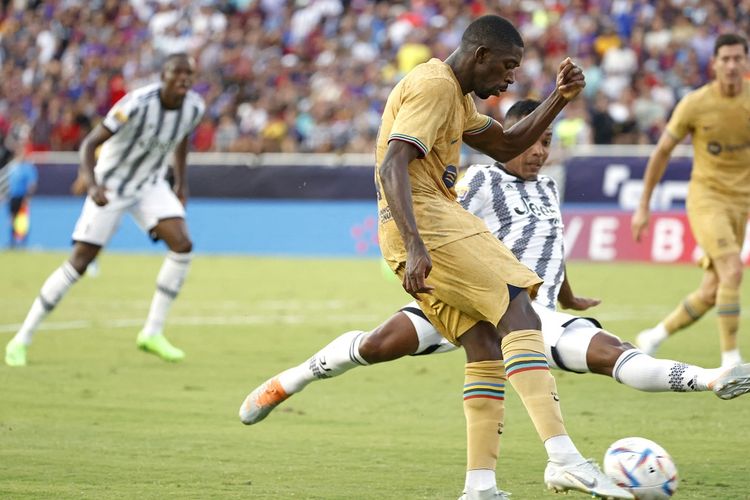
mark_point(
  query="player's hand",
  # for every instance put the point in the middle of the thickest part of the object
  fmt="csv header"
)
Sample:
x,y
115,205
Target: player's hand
x,y
570,79
418,267
579,303
639,223
98,195
181,191
79,186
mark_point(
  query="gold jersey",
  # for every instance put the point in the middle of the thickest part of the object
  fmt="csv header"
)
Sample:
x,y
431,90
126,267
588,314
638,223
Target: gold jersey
x,y
720,130
428,110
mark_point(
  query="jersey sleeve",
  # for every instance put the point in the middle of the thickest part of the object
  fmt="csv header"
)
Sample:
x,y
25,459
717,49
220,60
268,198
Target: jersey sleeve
x,y
476,123
469,189
681,124
198,109
121,113
424,109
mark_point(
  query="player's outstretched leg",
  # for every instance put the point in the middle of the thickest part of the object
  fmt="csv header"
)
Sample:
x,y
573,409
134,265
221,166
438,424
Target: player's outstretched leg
x,y
53,290
168,284
334,359
645,373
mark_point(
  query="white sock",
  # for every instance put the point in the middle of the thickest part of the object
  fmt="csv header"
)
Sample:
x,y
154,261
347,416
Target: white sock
x,y
339,356
480,479
731,358
168,284
658,334
53,290
561,450
642,372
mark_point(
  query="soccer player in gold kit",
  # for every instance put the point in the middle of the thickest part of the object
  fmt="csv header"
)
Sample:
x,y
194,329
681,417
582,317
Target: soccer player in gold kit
x,y
467,283
717,116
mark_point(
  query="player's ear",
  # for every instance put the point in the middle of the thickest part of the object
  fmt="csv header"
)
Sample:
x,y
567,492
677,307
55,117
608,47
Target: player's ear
x,y
481,54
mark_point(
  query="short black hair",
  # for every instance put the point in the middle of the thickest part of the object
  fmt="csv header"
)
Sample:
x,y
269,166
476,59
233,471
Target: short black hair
x,y
491,31
174,57
520,109
729,39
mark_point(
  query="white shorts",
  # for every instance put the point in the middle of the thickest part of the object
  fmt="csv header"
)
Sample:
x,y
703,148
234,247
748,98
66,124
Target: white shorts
x,y
156,202
566,337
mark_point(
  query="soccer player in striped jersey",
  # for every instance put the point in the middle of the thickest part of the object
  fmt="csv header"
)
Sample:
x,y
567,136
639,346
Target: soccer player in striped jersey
x,y
137,138
522,208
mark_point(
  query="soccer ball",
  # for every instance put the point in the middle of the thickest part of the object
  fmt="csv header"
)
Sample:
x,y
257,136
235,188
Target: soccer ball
x,y
642,467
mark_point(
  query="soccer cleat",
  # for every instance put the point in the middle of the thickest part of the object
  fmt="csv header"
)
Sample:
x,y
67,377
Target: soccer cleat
x,y
259,403
586,477
649,340
159,345
488,494
731,383
15,354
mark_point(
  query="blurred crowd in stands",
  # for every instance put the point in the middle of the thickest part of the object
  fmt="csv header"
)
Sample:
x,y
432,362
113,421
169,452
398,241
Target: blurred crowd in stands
x,y
313,75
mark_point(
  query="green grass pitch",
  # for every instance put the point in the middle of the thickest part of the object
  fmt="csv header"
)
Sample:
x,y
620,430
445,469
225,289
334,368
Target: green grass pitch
x,y
92,417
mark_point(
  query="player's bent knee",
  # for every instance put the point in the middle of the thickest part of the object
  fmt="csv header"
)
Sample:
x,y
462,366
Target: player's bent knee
x,y
83,255
377,347
182,246
520,316
708,295
481,343
604,351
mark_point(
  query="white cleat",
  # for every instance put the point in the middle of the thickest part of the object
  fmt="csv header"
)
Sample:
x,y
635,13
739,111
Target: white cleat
x,y
732,383
649,340
259,403
488,494
586,477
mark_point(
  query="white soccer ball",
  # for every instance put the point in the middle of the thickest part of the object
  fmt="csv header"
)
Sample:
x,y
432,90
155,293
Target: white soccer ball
x,y
642,467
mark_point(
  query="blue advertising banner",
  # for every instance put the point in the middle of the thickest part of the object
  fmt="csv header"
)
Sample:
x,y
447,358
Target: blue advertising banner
x,y
257,227
617,181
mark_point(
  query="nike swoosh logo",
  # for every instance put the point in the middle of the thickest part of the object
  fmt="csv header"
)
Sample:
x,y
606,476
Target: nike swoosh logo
x,y
588,483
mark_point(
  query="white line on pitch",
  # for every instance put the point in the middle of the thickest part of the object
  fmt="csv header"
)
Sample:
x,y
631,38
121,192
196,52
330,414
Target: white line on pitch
x,y
365,320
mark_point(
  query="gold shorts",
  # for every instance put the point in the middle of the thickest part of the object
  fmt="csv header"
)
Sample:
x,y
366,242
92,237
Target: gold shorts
x,y
471,278
717,223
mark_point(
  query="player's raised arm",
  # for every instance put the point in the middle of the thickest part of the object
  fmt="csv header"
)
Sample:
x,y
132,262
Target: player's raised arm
x,y
87,153
657,164
396,187
504,145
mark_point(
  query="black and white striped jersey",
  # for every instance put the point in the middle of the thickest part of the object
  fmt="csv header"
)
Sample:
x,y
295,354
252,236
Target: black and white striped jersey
x,y
525,216
145,135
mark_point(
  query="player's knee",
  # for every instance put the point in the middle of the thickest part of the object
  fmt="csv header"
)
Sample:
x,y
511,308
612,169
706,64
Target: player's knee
x,y
707,294
376,347
733,277
182,245
604,351
481,343
82,256
520,316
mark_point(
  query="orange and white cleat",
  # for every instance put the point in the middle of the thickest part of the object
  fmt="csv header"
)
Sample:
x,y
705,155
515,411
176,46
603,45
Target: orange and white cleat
x,y
259,403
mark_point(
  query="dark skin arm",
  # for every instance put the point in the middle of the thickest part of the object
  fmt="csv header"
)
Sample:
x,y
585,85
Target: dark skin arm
x,y
93,140
180,171
504,145
569,300
396,187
